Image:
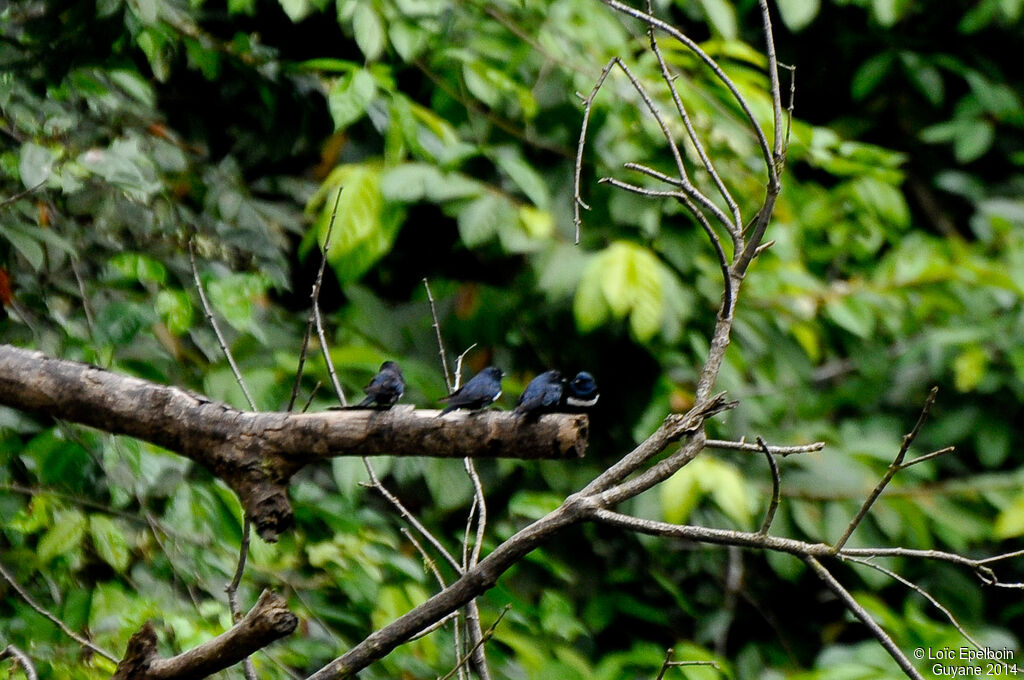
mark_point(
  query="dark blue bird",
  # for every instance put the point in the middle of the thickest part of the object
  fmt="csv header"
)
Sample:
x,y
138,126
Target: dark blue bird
x,y
386,388
581,392
544,393
483,389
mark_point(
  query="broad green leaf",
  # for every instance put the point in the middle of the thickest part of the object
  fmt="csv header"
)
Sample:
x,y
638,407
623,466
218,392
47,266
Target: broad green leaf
x,y
175,310
852,315
721,16
232,296
408,39
973,140
871,74
482,219
66,534
137,267
109,541
883,199
512,163
589,305
536,223
369,31
797,14
888,12
681,492
969,368
1010,522
924,76
349,97
26,245
35,164
297,10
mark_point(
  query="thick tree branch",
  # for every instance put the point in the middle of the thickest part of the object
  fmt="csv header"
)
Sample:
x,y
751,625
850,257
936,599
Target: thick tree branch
x,y
257,453
267,621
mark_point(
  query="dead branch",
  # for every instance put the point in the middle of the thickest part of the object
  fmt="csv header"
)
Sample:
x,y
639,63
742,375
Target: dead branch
x,y
267,621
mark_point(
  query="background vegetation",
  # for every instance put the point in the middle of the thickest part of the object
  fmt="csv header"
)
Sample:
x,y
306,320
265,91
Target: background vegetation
x,y
130,126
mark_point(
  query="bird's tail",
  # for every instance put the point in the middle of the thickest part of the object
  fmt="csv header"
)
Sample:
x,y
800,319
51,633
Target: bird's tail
x,y
366,402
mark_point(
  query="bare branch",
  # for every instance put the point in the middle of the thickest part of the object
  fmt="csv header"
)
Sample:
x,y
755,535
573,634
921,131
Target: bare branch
x,y
21,659
267,621
484,637
848,600
588,104
756,448
440,340
669,663
314,297
711,64
23,594
776,483
894,467
670,81
216,328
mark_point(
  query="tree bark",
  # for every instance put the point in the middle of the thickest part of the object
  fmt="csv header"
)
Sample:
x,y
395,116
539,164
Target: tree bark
x,y
267,621
256,454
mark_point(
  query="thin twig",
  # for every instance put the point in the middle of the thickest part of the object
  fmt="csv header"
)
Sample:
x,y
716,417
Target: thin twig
x,y
479,643
669,663
437,332
773,506
711,64
316,308
865,617
755,448
588,103
921,591
56,621
21,659
22,194
216,328
894,467
670,81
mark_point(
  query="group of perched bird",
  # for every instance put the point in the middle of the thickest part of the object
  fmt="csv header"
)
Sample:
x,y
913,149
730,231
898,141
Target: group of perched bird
x,y
548,392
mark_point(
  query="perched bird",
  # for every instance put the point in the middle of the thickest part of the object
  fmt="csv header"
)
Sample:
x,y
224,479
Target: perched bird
x,y
386,388
483,389
544,393
581,392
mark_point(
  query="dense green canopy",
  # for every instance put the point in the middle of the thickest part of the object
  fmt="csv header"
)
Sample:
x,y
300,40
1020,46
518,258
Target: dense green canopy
x,y
132,128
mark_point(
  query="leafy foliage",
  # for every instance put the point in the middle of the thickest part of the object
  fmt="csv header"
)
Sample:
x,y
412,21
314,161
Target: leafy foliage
x,y
449,130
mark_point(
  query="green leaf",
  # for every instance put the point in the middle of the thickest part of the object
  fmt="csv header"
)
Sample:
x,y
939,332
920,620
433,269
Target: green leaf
x,y
797,14
29,247
924,76
408,39
35,164
232,296
1010,522
969,368
852,315
482,219
350,96
883,199
721,16
297,10
681,492
365,227
539,224
870,75
888,12
175,310
512,163
369,31
109,541
973,140
137,267
589,305
66,535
